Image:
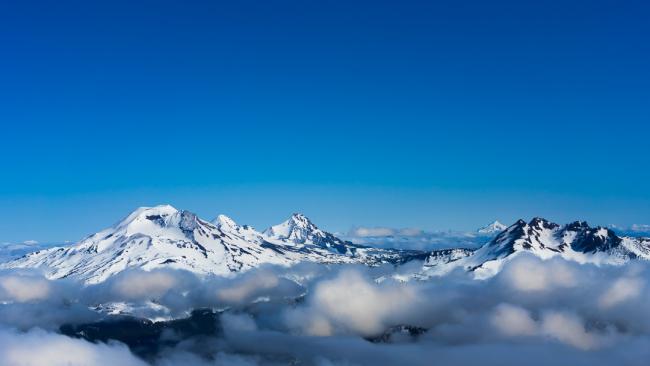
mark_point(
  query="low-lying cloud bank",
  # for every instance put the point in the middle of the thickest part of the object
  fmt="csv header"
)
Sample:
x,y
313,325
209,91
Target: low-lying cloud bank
x,y
415,239
534,312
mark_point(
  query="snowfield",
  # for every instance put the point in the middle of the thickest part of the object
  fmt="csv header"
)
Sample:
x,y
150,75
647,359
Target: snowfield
x,y
163,237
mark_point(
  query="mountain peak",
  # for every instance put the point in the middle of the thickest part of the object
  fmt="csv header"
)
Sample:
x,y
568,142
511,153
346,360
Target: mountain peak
x,y
542,223
577,225
298,227
301,220
493,228
152,210
225,221
156,213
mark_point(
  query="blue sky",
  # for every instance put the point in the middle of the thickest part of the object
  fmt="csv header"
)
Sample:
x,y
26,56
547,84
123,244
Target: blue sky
x,y
429,114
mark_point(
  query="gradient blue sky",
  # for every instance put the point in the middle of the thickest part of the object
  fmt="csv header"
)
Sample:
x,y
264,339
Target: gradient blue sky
x,y
423,114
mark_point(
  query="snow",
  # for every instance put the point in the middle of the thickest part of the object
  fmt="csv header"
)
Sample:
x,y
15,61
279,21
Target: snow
x,y
493,228
164,237
225,221
154,237
545,240
298,228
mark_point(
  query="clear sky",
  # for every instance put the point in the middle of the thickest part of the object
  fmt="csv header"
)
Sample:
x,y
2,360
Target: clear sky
x,y
422,114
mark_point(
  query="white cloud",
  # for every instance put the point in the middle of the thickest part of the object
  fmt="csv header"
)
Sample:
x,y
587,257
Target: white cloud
x,y
24,288
40,348
569,329
535,312
248,287
528,273
141,284
513,320
622,290
352,302
364,232
642,228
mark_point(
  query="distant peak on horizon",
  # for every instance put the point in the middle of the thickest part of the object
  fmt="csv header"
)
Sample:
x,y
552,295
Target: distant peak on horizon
x,y
495,227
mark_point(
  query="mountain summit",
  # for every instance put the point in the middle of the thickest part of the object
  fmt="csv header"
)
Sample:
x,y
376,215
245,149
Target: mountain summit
x,y
494,228
298,229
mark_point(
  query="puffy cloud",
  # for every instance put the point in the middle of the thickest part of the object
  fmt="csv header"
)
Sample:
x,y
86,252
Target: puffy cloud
x,y
248,287
528,273
534,311
512,321
568,328
22,288
371,231
622,290
39,348
141,284
352,302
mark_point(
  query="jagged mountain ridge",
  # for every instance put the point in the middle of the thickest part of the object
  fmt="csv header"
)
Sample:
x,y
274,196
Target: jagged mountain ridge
x,y
151,238
576,241
164,237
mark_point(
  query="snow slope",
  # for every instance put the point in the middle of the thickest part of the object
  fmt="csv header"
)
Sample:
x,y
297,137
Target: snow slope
x,y
576,241
164,237
154,237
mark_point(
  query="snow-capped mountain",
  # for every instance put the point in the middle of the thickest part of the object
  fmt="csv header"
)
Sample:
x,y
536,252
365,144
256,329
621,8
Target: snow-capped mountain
x,y
492,229
300,233
299,230
576,241
150,238
162,236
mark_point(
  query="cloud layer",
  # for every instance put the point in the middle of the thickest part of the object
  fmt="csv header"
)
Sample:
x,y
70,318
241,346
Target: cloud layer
x,y
414,238
533,311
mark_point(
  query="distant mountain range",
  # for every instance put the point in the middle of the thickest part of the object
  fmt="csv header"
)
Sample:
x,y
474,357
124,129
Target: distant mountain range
x,y
164,237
